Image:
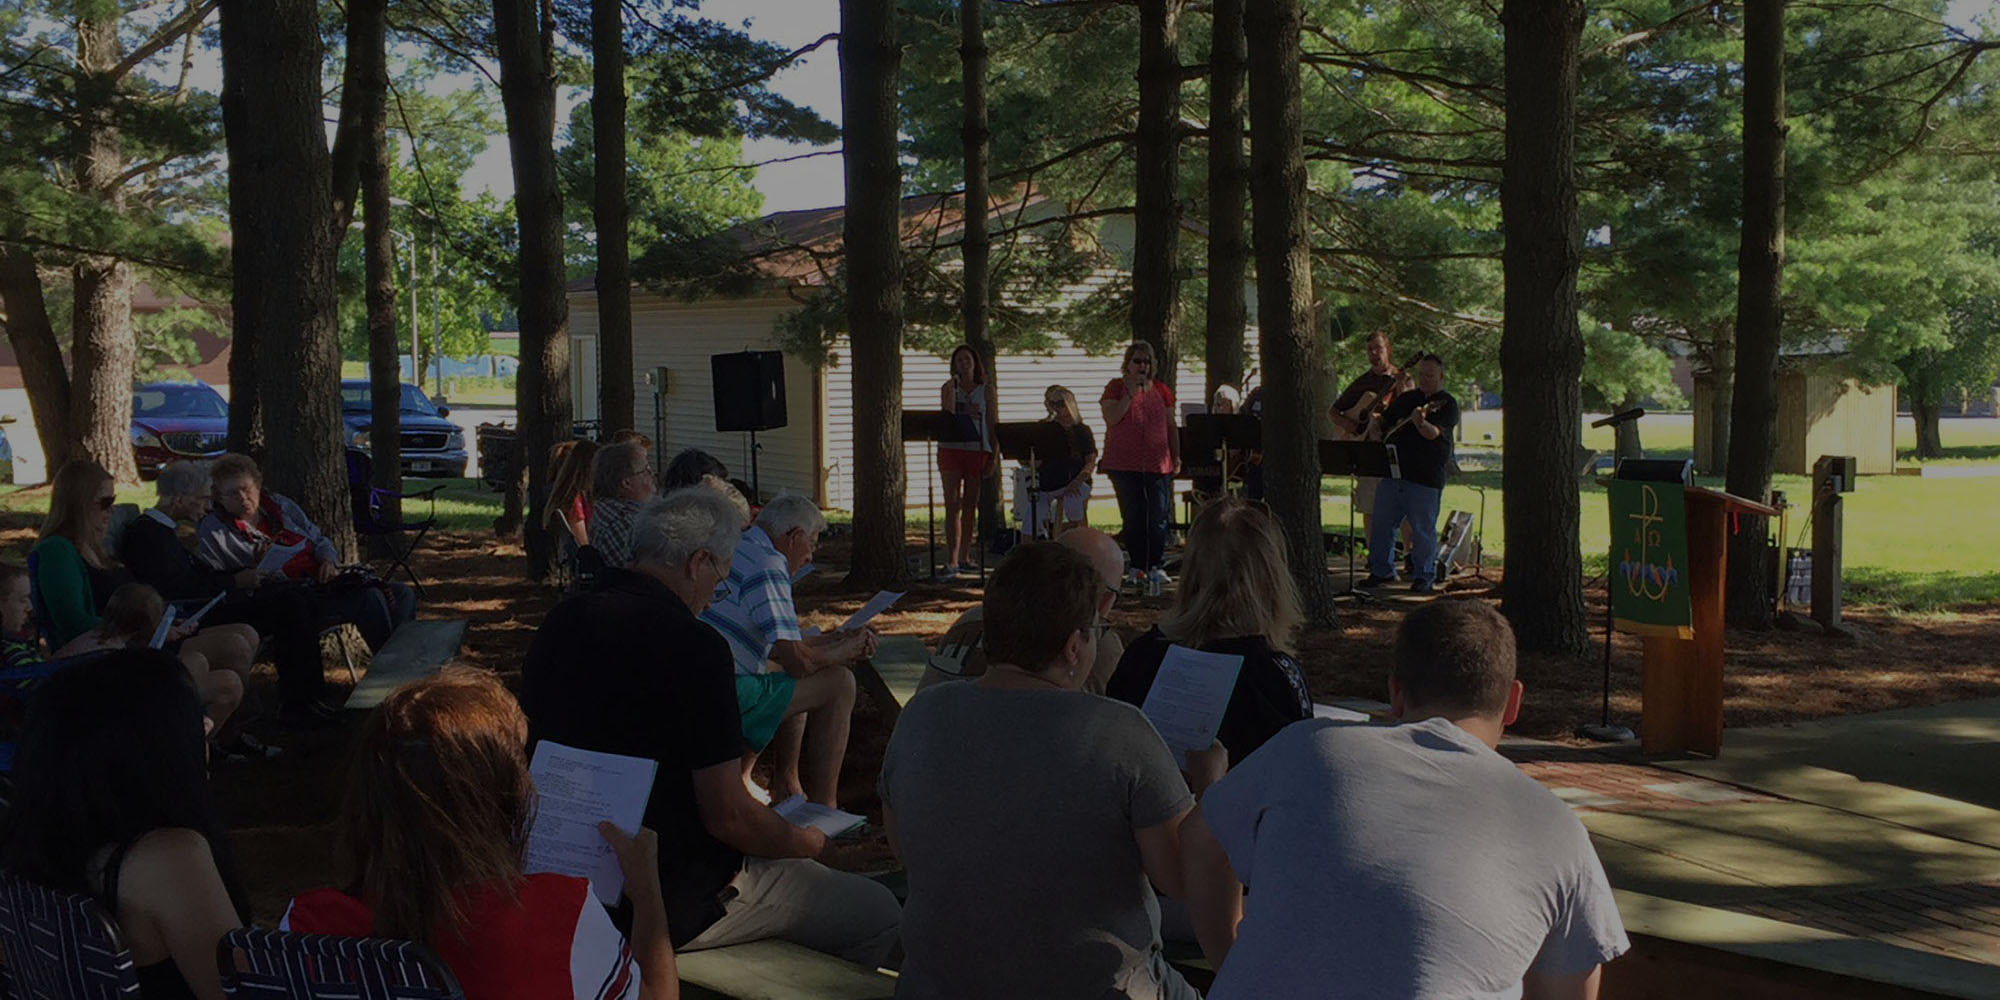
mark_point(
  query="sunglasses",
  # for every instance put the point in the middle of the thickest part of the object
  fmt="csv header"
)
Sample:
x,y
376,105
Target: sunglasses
x,y
106,503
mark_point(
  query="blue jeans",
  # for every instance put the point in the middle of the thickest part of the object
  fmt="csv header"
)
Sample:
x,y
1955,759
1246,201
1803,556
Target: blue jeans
x,y
1395,500
1146,506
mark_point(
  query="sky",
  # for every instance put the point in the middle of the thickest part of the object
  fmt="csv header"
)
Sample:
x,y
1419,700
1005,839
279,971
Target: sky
x,y
813,81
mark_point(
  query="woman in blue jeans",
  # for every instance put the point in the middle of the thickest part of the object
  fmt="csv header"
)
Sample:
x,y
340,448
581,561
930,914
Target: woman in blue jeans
x,y
1142,452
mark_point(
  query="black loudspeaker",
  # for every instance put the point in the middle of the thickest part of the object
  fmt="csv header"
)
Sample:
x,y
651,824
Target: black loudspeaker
x,y
749,390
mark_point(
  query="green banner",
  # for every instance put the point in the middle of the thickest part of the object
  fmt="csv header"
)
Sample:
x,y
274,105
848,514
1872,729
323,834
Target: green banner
x,y
1649,559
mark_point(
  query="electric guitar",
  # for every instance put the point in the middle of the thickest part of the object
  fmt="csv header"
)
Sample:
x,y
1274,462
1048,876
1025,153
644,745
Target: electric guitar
x,y
1422,411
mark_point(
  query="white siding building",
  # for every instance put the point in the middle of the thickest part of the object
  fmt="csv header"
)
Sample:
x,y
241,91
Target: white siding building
x,y
814,453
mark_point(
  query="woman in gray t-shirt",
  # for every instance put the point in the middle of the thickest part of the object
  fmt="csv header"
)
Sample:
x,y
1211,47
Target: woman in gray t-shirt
x,y
1030,815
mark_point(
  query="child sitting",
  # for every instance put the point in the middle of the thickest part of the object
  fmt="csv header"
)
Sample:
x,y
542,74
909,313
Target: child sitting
x,y
20,646
130,618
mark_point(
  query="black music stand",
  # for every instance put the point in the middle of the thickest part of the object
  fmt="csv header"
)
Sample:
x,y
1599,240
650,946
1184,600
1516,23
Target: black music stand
x,y
936,427
1354,459
1022,442
1209,433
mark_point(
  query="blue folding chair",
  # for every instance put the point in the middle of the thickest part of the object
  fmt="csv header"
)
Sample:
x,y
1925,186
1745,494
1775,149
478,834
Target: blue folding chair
x,y
60,946
258,964
400,536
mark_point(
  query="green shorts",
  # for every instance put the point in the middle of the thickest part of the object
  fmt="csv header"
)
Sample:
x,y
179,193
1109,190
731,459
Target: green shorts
x,y
763,698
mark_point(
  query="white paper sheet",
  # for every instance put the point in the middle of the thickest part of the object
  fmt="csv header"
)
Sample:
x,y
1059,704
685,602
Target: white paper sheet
x,y
277,556
832,822
578,790
166,625
876,605
1338,714
1189,695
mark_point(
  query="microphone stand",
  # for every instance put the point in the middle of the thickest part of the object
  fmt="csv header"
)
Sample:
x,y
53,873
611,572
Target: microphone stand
x,y
1605,731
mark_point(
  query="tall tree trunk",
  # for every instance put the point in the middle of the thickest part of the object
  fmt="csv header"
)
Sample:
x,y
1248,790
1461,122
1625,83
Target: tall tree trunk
x,y
1541,346
281,212
1722,383
525,38
870,57
1287,337
36,351
1228,252
615,404
978,254
1626,435
101,345
1156,155
1925,413
367,94
1760,266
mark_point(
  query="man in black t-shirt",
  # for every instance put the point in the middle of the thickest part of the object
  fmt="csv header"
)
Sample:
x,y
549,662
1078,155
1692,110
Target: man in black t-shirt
x,y
628,669
1418,425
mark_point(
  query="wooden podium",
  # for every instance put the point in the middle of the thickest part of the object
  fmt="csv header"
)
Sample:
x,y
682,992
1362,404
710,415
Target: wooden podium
x,y
1682,691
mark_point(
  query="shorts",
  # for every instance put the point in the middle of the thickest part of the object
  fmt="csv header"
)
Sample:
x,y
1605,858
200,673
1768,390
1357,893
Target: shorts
x,y
1075,509
968,462
763,699
1364,494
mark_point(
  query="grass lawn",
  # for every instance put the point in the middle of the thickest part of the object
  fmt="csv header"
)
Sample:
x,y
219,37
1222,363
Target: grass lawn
x,y
468,390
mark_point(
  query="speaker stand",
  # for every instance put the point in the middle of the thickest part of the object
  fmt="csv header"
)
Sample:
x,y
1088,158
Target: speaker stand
x,y
756,486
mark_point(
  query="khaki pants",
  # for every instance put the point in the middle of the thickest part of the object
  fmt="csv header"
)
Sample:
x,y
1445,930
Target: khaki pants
x,y
807,903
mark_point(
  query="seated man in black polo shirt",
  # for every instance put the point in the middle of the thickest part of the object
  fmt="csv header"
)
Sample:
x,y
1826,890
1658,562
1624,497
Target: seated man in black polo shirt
x,y
1419,425
152,549
628,669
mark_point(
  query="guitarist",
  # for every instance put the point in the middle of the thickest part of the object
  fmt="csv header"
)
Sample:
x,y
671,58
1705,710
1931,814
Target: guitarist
x,y
1355,411
1419,425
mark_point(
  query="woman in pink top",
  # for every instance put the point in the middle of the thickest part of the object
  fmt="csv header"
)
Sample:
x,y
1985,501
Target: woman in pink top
x,y
1142,452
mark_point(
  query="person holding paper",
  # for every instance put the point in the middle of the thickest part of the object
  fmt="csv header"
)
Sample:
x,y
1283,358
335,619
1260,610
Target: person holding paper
x,y
1407,860
628,669
248,528
152,549
1236,597
434,827
1030,816
793,690
131,618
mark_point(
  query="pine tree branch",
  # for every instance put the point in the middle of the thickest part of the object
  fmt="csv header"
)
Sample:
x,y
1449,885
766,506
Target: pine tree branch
x,y
169,33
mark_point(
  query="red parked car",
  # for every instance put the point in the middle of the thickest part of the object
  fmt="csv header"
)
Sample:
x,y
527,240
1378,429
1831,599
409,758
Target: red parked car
x,y
176,421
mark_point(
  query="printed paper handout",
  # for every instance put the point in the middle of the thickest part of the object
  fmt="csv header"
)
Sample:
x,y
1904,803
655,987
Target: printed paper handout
x,y
580,789
876,605
1189,695
166,625
832,822
195,619
277,556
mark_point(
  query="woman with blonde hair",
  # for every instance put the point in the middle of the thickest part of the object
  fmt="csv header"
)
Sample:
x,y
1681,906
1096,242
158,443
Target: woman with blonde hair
x,y
1142,452
433,832
74,576
1062,487
1236,596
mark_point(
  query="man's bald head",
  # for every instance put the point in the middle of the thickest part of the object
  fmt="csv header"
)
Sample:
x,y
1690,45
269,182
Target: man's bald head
x,y
1100,549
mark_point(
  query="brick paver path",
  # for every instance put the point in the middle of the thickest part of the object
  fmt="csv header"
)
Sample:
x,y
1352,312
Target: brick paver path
x,y
1961,921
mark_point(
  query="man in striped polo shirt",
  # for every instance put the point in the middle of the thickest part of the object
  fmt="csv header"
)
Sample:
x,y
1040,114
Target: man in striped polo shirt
x,y
794,691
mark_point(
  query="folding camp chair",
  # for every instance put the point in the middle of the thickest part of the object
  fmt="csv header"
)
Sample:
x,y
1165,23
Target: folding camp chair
x,y
258,964
60,946
399,535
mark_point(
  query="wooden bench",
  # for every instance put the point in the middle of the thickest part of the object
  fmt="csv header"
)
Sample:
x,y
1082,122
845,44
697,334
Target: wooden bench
x,y
417,650
778,970
891,676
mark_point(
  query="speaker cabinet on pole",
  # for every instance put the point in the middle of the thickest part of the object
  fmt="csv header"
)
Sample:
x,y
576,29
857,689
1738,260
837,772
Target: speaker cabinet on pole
x,y
749,390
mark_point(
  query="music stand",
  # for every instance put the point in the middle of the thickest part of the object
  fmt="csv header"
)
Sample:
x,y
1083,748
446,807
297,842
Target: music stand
x,y
1021,442
1354,459
936,427
1209,433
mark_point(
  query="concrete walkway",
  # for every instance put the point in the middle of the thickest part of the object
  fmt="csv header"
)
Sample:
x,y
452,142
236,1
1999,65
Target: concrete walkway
x,y
1857,833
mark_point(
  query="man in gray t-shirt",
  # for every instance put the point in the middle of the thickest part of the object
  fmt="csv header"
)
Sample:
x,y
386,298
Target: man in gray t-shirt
x,y
1402,861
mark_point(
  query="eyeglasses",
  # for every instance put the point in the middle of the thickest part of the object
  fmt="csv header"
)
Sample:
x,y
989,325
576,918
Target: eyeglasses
x,y
106,503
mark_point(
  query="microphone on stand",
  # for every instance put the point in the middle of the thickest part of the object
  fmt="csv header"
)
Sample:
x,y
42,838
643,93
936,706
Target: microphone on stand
x,y
1619,418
